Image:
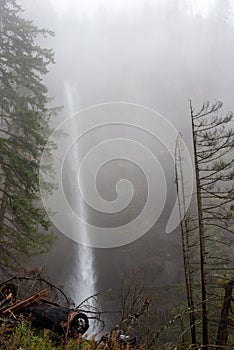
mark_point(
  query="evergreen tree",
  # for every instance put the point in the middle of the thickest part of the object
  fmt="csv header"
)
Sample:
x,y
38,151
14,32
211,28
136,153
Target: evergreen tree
x,y
24,129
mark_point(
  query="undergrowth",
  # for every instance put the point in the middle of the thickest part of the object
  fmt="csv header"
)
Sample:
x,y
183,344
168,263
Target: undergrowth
x,y
24,337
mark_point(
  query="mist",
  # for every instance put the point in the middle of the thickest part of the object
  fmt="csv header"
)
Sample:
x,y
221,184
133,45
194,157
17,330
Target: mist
x,y
159,54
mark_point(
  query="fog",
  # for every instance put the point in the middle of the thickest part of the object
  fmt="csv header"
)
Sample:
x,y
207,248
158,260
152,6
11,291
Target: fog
x,y
158,54
155,53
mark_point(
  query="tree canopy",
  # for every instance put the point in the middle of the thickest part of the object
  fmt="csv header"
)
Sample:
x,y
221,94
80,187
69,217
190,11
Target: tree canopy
x,y
23,134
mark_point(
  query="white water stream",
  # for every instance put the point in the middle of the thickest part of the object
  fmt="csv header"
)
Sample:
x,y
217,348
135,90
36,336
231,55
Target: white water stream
x,y
83,276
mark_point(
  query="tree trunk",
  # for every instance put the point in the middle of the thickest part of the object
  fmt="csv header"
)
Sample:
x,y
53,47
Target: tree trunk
x,y
57,318
185,243
222,334
3,200
205,329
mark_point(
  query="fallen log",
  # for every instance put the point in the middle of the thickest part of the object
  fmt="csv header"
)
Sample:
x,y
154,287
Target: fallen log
x,y
57,318
43,313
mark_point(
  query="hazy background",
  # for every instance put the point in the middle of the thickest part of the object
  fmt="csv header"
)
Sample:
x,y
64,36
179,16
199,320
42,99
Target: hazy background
x,y
156,53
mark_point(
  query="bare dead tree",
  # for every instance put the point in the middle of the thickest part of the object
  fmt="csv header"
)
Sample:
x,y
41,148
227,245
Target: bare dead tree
x,y
185,231
212,146
136,314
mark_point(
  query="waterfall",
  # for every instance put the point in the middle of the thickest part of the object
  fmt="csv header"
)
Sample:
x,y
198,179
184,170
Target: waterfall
x,y
83,277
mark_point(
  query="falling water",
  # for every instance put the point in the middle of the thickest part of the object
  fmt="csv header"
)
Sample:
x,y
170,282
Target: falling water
x,y
82,279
